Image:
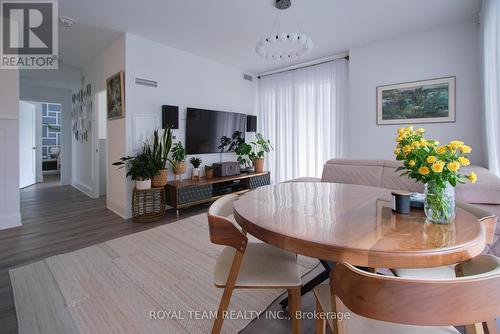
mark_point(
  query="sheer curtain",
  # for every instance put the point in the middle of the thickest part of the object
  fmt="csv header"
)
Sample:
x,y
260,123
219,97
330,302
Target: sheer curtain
x,y
490,30
302,113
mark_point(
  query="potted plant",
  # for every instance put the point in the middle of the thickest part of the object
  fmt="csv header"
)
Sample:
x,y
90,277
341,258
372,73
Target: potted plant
x,y
209,171
435,166
178,160
244,153
140,168
160,151
261,146
195,162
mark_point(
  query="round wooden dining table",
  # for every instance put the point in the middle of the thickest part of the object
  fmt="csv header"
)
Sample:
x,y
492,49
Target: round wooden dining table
x,y
355,224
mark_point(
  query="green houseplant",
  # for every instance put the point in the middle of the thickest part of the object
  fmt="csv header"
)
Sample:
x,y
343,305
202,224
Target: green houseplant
x,y
178,160
224,142
245,155
160,151
140,167
261,146
195,162
435,166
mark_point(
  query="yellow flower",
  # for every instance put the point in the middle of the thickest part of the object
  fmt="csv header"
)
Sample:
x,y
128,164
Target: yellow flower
x,y
438,167
464,161
424,142
411,163
465,149
410,128
420,130
397,151
456,143
415,144
406,149
453,166
472,177
401,131
431,159
441,149
423,170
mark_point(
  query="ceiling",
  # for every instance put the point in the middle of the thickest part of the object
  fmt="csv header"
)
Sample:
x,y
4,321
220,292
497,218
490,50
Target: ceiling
x,y
227,30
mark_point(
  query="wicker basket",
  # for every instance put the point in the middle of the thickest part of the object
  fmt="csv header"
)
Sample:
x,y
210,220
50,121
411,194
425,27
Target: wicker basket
x,y
179,167
148,205
161,179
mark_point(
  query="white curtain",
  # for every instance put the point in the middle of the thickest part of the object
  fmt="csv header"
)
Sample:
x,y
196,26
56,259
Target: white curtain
x,y
302,113
490,30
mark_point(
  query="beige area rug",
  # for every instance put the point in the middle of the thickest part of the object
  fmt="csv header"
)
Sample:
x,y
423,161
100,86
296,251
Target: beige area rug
x,y
112,287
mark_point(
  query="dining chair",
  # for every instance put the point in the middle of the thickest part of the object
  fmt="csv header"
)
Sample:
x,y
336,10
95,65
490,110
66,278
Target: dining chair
x,y
387,304
247,265
487,219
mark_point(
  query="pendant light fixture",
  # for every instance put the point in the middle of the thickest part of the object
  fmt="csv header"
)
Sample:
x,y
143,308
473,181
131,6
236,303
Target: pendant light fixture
x,y
286,45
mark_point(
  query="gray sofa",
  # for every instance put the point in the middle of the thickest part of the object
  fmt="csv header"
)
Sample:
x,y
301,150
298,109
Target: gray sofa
x,y
484,194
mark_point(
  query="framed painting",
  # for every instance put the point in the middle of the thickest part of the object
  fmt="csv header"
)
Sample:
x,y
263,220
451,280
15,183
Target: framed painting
x,y
426,101
115,96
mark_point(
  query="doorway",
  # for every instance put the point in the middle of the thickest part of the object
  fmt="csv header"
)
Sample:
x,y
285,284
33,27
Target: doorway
x,y
40,142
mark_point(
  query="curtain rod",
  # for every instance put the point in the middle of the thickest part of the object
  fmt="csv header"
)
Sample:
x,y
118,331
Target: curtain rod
x,y
301,67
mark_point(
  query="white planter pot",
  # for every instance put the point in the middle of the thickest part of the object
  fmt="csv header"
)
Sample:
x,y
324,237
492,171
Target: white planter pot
x,y
196,172
143,185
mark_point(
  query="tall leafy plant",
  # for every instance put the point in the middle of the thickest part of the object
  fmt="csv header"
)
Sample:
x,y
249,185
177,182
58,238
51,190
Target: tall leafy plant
x,y
161,148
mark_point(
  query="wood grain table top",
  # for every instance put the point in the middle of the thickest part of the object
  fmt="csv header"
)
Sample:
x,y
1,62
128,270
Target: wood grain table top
x,y
355,224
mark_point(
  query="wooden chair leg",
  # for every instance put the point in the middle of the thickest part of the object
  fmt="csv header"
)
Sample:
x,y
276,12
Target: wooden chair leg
x,y
228,291
320,323
491,326
224,303
293,308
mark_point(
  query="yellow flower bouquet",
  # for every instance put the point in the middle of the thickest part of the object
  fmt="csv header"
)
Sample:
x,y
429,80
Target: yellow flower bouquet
x,y
437,166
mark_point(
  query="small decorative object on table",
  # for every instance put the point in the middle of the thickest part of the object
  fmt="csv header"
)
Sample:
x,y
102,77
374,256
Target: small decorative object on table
x,y
435,166
401,202
160,150
140,168
178,160
209,171
148,205
195,162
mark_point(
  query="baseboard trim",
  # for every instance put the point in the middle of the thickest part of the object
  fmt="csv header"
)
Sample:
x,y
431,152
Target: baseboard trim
x,y
10,221
120,211
83,188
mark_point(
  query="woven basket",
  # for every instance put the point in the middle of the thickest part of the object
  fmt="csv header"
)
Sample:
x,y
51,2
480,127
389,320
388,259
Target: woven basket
x,y
259,165
160,179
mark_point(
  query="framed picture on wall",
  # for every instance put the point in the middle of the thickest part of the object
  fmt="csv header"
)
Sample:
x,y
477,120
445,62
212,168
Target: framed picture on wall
x,y
426,101
115,96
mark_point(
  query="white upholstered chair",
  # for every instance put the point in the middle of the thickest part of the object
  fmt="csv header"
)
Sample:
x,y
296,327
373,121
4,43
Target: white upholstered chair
x,y
243,264
386,304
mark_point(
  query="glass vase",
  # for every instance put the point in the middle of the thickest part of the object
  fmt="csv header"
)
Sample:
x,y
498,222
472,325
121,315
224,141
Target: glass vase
x,y
439,204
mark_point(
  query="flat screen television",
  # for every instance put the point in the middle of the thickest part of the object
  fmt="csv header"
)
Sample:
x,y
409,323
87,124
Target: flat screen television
x,y
204,129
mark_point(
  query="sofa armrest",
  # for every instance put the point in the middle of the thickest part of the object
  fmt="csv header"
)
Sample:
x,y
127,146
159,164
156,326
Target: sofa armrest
x,y
304,179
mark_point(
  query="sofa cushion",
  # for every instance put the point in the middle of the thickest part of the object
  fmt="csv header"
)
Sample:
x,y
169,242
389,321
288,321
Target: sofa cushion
x,y
485,191
363,172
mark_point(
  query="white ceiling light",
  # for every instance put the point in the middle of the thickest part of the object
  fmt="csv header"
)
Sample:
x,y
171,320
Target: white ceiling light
x,y
283,45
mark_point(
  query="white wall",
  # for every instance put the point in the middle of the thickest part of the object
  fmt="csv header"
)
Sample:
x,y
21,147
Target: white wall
x,y
448,51
184,80
10,215
110,61
49,94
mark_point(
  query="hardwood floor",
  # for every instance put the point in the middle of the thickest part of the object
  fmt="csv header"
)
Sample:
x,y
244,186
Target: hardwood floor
x,y
58,219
